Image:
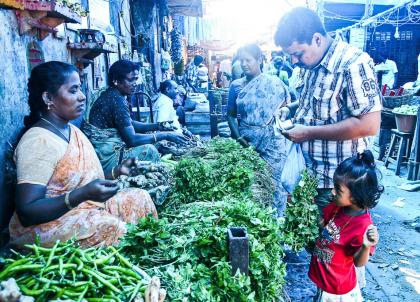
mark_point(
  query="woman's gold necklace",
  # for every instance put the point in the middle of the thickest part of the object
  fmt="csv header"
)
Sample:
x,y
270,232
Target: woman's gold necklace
x,y
56,128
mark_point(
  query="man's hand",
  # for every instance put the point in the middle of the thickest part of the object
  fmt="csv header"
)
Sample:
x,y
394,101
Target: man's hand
x,y
298,134
284,113
371,236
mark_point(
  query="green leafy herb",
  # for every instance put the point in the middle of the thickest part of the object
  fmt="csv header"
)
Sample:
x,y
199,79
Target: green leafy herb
x,y
301,218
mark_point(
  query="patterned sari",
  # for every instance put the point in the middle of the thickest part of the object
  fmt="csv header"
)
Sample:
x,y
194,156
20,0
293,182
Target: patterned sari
x,y
108,144
257,103
111,149
91,223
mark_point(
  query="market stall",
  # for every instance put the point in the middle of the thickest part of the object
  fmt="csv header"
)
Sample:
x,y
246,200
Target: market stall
x,y
218,191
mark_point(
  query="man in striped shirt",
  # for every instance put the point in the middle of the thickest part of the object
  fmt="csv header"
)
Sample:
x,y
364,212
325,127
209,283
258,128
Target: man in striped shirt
x,y
339,107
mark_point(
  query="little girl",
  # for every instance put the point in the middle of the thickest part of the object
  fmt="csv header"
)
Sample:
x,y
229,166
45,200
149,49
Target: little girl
x,y
347,237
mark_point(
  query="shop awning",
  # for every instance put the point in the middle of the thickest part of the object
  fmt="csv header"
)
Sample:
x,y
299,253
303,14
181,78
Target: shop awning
x,y
192,8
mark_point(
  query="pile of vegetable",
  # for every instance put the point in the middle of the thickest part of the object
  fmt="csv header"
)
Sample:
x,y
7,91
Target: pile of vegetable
x,y
216,186
66,271
406,109
187,248
301,219
177,150
222,167
152,177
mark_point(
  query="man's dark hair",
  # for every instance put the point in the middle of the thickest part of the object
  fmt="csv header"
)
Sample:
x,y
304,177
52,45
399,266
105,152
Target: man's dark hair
x,y
165,85
119,71
198,60
299,24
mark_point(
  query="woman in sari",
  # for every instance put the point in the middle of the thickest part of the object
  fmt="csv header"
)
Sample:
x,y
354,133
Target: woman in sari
x,y
254,100
61,191
109,127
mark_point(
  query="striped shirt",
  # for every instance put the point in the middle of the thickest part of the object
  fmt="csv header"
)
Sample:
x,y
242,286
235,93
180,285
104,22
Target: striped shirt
x,y
343,85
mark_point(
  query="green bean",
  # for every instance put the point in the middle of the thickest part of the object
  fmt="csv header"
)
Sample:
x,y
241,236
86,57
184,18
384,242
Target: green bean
x,y
45,280
71,257
83,294
100,300
56,266
73,275
60,263
80,264
134,293
11,266
19,268
120,257
100,279
50,257
123,270
112,297
105,259
83,283
29,292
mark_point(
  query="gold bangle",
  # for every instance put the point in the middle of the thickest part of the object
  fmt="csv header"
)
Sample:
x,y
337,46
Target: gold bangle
x,y
67,200
112,173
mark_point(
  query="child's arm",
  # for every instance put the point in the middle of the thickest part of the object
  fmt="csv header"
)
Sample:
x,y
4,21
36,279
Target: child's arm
x,y
370,238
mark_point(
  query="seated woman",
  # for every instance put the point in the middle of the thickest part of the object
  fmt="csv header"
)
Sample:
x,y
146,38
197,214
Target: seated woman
x,y
61,192
109,127
164,110
256,98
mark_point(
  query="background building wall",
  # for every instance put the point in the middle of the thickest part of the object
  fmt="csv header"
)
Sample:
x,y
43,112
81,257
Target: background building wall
x,y
14,72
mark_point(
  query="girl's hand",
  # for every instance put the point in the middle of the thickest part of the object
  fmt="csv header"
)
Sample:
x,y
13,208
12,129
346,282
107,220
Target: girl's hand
x,y
371,236
125,167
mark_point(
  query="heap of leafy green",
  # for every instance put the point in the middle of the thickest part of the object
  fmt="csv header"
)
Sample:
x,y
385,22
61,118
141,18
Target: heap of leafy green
x,y
301,219
187,248
222,167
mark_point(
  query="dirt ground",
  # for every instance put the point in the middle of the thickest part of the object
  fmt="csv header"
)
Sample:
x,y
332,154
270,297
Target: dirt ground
x,y
393,272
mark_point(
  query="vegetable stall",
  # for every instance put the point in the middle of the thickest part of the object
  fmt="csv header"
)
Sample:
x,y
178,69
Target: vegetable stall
x,y
183,255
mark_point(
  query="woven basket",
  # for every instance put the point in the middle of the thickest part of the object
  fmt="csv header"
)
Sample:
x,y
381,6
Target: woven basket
x,y
396,101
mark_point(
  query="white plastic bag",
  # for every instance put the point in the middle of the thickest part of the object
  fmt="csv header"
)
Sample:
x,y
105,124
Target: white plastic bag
x,y
295,164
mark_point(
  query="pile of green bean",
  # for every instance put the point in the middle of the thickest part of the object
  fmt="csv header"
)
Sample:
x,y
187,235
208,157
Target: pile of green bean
x,y
67,271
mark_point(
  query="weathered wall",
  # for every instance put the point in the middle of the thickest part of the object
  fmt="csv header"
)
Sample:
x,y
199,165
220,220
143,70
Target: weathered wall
x,y
14,74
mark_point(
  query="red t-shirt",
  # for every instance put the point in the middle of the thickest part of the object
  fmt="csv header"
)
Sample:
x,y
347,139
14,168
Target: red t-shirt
x,y
332,266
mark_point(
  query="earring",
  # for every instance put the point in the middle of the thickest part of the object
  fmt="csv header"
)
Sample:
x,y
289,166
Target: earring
x,y
115,83
48,106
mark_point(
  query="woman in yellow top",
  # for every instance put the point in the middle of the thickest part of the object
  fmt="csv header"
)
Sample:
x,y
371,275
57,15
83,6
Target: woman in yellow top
x,y
61,187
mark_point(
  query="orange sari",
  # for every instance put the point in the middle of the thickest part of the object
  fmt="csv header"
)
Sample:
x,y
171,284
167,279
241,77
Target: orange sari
x,y
91,223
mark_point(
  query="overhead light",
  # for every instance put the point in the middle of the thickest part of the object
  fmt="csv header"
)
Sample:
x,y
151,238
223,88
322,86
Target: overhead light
x,y
397,33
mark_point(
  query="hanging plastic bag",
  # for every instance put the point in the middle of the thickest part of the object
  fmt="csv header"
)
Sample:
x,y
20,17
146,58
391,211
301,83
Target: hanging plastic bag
x,y
295,164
